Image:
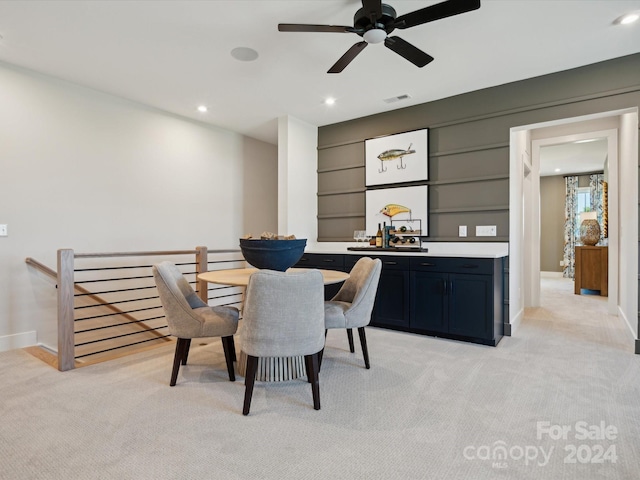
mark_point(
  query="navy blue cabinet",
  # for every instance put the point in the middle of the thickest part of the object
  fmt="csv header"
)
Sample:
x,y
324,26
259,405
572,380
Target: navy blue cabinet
x,y
324,262
391,308
459,298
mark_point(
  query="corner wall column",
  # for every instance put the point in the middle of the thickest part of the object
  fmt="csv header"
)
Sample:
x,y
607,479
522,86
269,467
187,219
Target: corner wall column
x,y
297,178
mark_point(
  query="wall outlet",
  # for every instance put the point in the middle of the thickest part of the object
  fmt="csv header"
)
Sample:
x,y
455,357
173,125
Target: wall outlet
x,y
462,230
486,231
3,231
562,263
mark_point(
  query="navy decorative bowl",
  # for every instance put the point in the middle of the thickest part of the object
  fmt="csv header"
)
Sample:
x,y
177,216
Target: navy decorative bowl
x,y
272,254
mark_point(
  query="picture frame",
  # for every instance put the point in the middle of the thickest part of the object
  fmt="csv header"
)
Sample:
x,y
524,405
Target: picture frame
x,y
398,158
408,206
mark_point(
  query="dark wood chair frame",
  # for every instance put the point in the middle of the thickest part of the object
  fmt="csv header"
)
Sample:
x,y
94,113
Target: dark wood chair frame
x,y
312,365
182,353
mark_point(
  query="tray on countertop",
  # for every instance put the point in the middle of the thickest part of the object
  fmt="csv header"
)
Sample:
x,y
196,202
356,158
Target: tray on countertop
x,y
390,249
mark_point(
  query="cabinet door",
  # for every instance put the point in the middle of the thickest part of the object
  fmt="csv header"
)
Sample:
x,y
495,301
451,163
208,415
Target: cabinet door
x,y
392,300
325,262
429,301
470,305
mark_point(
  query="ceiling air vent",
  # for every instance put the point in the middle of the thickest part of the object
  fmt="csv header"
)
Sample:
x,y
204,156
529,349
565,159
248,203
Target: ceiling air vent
x,y
397,99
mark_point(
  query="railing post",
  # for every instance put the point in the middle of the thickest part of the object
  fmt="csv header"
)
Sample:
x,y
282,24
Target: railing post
x,y
202,264
66,328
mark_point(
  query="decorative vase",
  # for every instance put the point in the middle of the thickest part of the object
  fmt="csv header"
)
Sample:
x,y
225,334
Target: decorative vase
x,y
589,228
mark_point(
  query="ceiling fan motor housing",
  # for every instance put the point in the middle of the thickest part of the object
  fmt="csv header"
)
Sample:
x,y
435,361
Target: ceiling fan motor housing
x,y
362,20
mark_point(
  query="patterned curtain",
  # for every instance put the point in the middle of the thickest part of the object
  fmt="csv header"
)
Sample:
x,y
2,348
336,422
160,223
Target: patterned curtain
x,y
571,194
595,189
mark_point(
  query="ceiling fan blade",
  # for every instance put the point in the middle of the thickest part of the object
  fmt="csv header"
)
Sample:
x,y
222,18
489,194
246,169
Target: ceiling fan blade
x,y
297,27
348,57
408,51
436,12
373,8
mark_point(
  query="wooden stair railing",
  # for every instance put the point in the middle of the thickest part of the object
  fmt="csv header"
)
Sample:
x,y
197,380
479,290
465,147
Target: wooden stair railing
x,y
69,289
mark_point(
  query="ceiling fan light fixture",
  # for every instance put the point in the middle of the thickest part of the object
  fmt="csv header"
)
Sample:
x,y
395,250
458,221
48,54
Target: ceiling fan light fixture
x,y
627,18
375,35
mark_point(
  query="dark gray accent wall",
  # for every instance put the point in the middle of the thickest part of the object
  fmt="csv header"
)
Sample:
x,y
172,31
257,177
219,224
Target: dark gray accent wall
x,y
468,146
552,217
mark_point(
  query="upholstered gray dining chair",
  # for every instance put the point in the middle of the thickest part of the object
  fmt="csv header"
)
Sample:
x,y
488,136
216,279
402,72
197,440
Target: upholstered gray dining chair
x,y
189,317
283,316
351,307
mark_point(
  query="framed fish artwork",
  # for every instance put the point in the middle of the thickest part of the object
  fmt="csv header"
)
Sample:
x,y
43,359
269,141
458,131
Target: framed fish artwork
x,y
401,206
399,158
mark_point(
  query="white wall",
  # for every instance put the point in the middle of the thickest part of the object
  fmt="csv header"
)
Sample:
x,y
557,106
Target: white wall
x,y
628,224
297,178
519,162
85,170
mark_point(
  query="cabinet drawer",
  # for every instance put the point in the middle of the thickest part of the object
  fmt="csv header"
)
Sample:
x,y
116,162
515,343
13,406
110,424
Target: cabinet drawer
x,y
431,264
317,260
389,262
477,266
473,266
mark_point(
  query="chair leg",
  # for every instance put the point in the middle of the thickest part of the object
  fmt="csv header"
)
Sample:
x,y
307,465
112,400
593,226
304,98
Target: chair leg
x,y
312,360
181,344
186,351
352,349
363,343
308,366
228,347
249,380
232,345
320,355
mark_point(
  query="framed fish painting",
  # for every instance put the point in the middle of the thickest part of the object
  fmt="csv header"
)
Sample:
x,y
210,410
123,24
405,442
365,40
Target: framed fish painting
x,y
399,158
402,206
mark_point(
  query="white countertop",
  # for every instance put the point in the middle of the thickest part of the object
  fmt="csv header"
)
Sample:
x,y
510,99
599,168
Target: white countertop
x,y
436,249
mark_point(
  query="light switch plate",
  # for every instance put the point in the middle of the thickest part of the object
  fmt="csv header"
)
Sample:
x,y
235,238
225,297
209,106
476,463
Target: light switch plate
x,y
462,230
486,231
3,231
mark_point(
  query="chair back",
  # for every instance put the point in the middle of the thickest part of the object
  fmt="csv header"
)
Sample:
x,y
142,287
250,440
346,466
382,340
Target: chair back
x,y
283,314
178,300
360,291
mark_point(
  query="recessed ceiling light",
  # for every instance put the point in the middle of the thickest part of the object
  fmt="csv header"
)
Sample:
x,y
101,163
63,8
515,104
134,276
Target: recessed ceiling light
x,y
244,54
330,101
557,170
627,18
202,109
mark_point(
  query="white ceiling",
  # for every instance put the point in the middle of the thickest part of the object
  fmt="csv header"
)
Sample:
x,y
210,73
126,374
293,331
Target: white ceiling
x,y
175,55
573,158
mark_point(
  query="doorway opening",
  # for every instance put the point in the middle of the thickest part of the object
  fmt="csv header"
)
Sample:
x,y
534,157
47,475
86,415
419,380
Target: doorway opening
x,y
524,211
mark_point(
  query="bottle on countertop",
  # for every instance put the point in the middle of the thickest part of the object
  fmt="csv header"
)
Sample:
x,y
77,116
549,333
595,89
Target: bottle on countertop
x,y
385,240
379,237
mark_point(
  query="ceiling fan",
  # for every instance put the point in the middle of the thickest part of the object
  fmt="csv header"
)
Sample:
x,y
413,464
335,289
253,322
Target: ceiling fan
x,y
376,20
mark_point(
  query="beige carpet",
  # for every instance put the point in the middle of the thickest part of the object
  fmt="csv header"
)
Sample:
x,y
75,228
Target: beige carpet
x,y
428,409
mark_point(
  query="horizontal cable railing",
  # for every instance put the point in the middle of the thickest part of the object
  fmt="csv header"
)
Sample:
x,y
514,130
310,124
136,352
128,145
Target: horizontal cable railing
x,y
109,302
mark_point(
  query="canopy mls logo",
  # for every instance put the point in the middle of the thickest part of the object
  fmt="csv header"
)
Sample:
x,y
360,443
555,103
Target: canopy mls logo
x,y
499,453
595,446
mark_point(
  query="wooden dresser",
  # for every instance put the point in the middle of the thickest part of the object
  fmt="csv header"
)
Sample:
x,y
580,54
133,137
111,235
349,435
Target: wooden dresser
x,y
591,269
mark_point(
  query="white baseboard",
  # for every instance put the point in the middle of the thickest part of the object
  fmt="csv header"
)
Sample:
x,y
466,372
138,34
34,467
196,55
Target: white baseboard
x,y
18,340
634,334
551,274
514,323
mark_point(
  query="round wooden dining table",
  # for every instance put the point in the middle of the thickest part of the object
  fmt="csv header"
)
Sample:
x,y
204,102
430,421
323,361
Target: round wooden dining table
x,y
270,369
239,277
